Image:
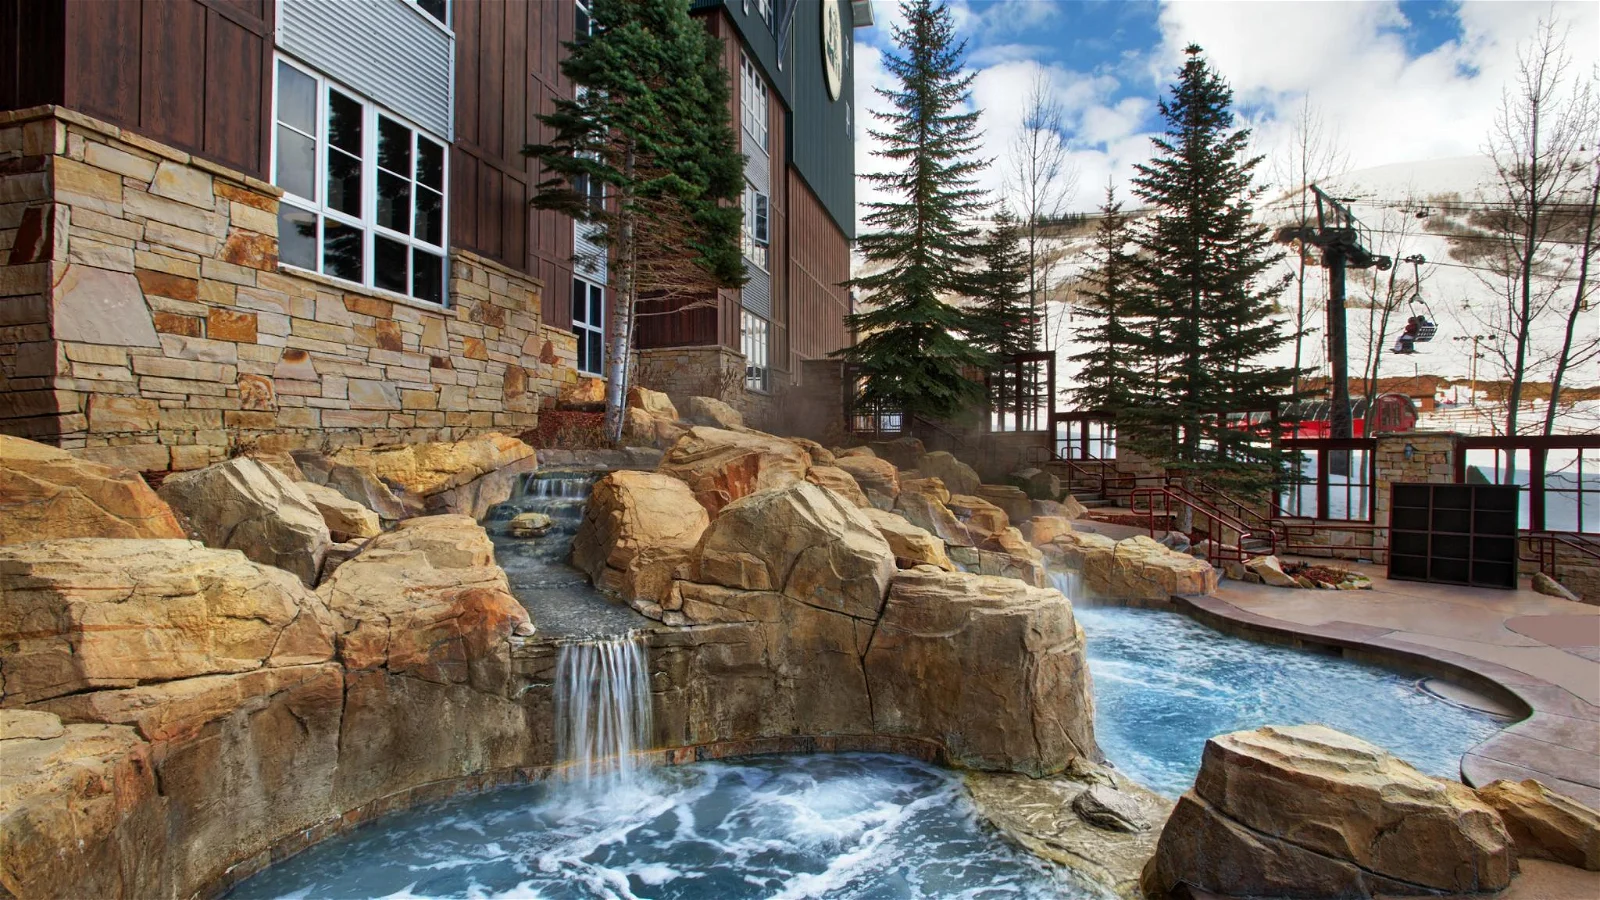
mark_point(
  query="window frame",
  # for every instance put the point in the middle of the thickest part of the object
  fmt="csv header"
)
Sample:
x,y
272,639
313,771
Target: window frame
x,y
582,328
757,228
757,373
753,88
367,221
449,10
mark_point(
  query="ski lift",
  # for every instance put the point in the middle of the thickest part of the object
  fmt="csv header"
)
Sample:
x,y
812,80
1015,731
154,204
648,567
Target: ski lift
x,y
1420,327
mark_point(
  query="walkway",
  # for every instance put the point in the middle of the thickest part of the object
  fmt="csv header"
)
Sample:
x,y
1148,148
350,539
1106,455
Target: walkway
x,y
1544,650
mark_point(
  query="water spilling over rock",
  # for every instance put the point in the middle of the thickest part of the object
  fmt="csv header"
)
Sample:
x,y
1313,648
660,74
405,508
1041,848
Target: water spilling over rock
x,y
603,714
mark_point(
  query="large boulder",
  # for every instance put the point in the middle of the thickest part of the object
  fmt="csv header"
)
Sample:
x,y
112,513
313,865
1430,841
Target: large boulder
x,y
959,477
1015,501
714,413
992,666
640,429
1039,484
476,497
820,455
427,601
84,614
80,813
346,519
1008,554
927,511
722,466
800,541
653,403
982,518
1546,825
1042,530
246,506
903,453
840,482
1067,508
638,530
1306,811
390,503
428,468
912,546
1137,568
878,478
47,493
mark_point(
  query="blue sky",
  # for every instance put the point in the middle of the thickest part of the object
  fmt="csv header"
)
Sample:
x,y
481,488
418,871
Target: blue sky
x,y
1394,82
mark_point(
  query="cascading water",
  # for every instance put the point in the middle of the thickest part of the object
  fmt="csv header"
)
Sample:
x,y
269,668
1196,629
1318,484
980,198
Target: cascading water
x,y
1069,582
603,710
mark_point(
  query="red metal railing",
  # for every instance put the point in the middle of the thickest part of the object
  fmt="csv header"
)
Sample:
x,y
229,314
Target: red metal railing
x,y
1217,521
1547,546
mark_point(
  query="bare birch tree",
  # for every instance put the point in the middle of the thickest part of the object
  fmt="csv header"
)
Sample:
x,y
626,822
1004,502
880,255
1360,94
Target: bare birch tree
x,y
1039,179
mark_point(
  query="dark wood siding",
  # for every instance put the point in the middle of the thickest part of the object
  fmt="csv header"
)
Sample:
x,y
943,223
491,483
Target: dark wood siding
x,y
196,74
819,262
507,72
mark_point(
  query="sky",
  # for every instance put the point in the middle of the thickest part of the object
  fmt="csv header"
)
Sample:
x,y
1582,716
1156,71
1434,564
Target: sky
x,y
1396,81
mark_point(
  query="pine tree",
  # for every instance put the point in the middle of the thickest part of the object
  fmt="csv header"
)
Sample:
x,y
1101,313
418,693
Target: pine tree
x,y
1002,320
912,353
645,151
1203,285
1112,367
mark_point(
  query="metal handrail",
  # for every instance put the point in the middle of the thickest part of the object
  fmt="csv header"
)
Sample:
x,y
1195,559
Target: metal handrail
x,y
1546,546
1221,550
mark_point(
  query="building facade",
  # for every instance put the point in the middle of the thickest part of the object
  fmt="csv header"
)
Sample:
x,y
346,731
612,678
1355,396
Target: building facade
x,y
233,223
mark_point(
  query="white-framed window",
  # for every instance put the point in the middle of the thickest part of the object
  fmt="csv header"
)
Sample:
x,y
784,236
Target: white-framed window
x,y
583,22
757,226
363,190
756,340
439,10
753,101
765,8
589,324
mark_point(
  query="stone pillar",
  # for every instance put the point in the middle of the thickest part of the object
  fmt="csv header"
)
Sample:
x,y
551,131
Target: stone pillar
x,y
1408,457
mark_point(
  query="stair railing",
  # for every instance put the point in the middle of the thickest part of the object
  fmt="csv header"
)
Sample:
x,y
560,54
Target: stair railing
x,y
1221,550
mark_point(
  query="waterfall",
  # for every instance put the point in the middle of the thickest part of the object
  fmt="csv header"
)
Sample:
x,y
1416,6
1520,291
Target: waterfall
x,y
603,719
1069,582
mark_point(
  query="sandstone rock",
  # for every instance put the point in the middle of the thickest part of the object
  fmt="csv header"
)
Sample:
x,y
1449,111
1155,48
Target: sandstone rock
x,y
364,488
1041,530
714,413
722,466
638,530
338,554
926,511
902,453
37,725
428,468
346,519
820,455
246,506
841,453
1009,555
993,666
529,525
583,392
1546,825
912,546
1067,507
1143,569
1548,586
1109,809
956,475
1014,500
46,493
1270,571
840,482
1305,811
919,484
640,429
982,518
283,462
80,816
475,498
654,403
313,465
1039,484
803,542
878,479
427,601
88,613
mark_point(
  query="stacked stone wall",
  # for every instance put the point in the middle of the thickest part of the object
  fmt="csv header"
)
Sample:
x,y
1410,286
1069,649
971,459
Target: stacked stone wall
x,y
145,320
708,371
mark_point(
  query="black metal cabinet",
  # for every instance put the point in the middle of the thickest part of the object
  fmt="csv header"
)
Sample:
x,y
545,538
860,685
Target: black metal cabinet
x,y
1454,534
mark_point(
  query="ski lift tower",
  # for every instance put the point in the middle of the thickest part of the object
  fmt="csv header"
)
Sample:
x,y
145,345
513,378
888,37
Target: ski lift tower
x,y
1345,243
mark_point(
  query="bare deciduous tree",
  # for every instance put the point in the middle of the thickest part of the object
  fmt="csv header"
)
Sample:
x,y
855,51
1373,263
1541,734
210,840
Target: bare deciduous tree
x,y
1312,155
1577,349
1039,179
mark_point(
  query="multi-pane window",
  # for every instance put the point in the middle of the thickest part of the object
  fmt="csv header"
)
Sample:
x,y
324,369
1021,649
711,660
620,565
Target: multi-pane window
x,y
583,24
753,101
756,341
757,224
438,9
363,191
588,323
765,9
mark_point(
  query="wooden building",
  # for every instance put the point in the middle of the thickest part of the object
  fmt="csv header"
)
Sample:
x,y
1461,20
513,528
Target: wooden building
x,y
385,138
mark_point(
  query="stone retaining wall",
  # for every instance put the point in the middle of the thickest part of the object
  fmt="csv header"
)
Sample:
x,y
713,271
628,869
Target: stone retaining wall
x,y
145,321
709,371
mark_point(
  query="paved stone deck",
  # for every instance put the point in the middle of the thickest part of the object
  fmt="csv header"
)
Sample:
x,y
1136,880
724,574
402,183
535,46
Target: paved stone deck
x,y
1539,650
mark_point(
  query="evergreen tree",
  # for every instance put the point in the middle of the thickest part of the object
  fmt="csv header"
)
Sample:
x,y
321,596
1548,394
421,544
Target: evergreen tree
x,y
645,151
1204,290
912,352
1112,369
1002,320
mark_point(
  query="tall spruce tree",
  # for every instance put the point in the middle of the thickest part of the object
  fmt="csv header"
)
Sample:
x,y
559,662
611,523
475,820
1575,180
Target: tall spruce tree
x,y
1001,318
645,151
1204,289
912,352
1112,367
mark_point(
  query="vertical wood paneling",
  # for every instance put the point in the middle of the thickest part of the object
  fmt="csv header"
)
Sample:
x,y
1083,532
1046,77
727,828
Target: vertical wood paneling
x,y
102,60
466,16
235,70
491,78
172,75
463,197
32,53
